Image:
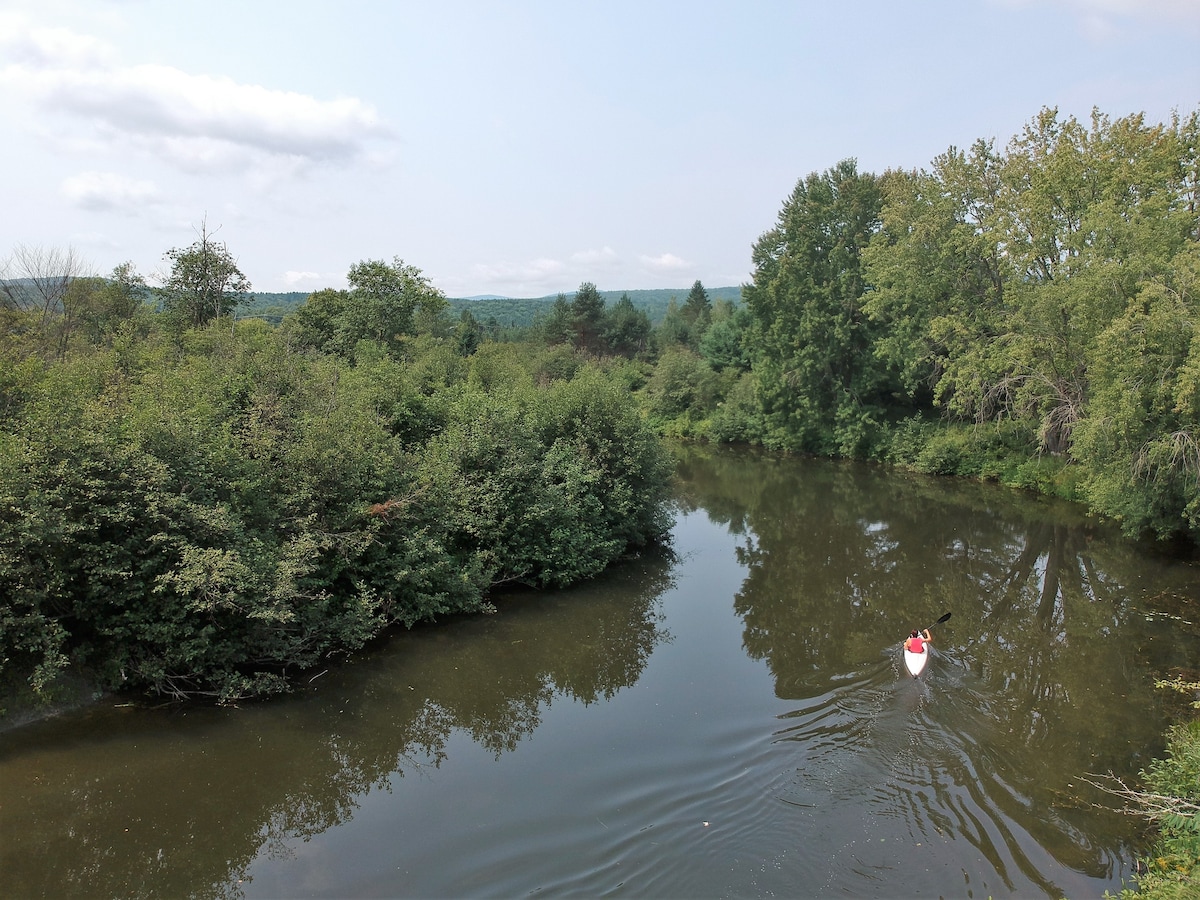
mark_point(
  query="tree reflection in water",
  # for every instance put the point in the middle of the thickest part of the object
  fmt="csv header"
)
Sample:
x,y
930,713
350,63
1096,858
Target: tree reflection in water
x,y
1044,653
181,801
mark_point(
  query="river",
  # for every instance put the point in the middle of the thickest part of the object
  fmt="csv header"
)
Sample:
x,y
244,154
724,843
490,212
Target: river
x,y
729,717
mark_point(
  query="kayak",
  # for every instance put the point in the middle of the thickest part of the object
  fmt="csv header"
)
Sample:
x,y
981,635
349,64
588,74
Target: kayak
x,y
916,661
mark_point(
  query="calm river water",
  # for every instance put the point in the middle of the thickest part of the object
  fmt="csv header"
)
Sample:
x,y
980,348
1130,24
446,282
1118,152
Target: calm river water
x,y
729,719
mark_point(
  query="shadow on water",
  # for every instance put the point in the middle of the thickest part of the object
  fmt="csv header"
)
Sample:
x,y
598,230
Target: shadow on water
x,y
609,747
178,801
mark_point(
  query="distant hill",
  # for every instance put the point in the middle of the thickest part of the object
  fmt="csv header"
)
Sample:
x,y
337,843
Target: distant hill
x,y
510,312
271,307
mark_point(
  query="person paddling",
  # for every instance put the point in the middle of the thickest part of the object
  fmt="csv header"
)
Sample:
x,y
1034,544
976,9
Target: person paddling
x,y
916,641
916,648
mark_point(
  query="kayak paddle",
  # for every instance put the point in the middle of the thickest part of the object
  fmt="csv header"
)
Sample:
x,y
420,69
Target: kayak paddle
x,y
941,620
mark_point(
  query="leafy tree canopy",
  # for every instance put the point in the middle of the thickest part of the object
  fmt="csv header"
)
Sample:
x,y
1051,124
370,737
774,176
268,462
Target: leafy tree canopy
x,y
204,282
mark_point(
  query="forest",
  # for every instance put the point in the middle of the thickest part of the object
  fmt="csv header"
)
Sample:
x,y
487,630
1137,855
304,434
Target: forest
x,y
499,315
199,499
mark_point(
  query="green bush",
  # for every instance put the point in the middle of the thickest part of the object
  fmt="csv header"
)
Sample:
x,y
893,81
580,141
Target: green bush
x,y
739,417
550,488
1172,801
210,515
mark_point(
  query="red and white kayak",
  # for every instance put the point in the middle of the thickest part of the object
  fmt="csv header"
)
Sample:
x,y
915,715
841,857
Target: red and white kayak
x,y
916,661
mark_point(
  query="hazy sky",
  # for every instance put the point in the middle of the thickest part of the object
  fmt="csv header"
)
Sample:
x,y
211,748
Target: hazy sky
x,y
522,148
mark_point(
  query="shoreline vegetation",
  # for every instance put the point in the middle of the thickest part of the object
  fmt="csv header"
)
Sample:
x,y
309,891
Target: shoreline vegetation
x,y
1170,801
199,501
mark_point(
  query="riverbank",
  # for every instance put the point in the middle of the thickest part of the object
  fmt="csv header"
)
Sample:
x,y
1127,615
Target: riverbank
x,y
1170,798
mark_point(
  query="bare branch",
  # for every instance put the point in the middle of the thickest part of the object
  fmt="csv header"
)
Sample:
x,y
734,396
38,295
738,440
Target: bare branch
x,y
1144,803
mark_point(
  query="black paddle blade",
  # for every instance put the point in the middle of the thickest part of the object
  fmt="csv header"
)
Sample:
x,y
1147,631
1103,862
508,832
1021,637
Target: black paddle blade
x,y
941,620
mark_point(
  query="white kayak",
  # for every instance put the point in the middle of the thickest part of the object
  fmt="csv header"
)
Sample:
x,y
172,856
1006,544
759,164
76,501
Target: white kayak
x,y
916,661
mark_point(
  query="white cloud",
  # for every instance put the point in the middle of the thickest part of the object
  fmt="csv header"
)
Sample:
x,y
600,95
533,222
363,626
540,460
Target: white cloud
x,y
108,191
595,257
44,47
295,279
1104,19
667,262
1156,9
519,279
193,121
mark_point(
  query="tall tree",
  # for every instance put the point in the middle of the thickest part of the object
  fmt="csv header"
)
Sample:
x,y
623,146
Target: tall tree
x,y
936,275
697,313
1138,439
722,344
386,303
204,282
559,326
588,311
673,329
468,333
1074,219
822,386
626,328
113,300
315,323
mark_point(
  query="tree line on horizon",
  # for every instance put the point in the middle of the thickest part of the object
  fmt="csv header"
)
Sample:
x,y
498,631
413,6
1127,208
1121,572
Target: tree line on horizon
x,y
499,316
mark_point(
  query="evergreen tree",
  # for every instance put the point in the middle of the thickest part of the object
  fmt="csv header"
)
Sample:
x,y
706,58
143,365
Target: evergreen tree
x,y
697,313
626,328
468,333
588,312
673,329
822,387
559,325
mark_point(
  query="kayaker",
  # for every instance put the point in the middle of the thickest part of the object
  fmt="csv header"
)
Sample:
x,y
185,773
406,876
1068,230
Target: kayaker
x,y
916,641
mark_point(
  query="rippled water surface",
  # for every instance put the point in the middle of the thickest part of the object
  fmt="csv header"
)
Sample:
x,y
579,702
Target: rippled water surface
x,y
731,719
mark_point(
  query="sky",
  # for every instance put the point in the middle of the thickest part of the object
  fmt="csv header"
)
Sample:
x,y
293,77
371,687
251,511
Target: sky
x,y
521,148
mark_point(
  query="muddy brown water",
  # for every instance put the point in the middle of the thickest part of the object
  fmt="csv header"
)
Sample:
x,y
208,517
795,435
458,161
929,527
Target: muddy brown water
x,y
727,719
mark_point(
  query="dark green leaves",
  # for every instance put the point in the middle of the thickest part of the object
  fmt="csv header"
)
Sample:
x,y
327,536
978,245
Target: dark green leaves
x,y
210,516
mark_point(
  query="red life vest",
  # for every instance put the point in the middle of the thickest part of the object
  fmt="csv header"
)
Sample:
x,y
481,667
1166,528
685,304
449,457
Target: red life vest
x,y
915,645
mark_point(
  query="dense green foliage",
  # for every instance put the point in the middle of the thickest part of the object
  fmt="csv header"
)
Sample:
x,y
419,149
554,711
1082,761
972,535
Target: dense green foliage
x,y
195,504
822,388
1051,290
208,510
1171,799
1177,775
383,307
1026,315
